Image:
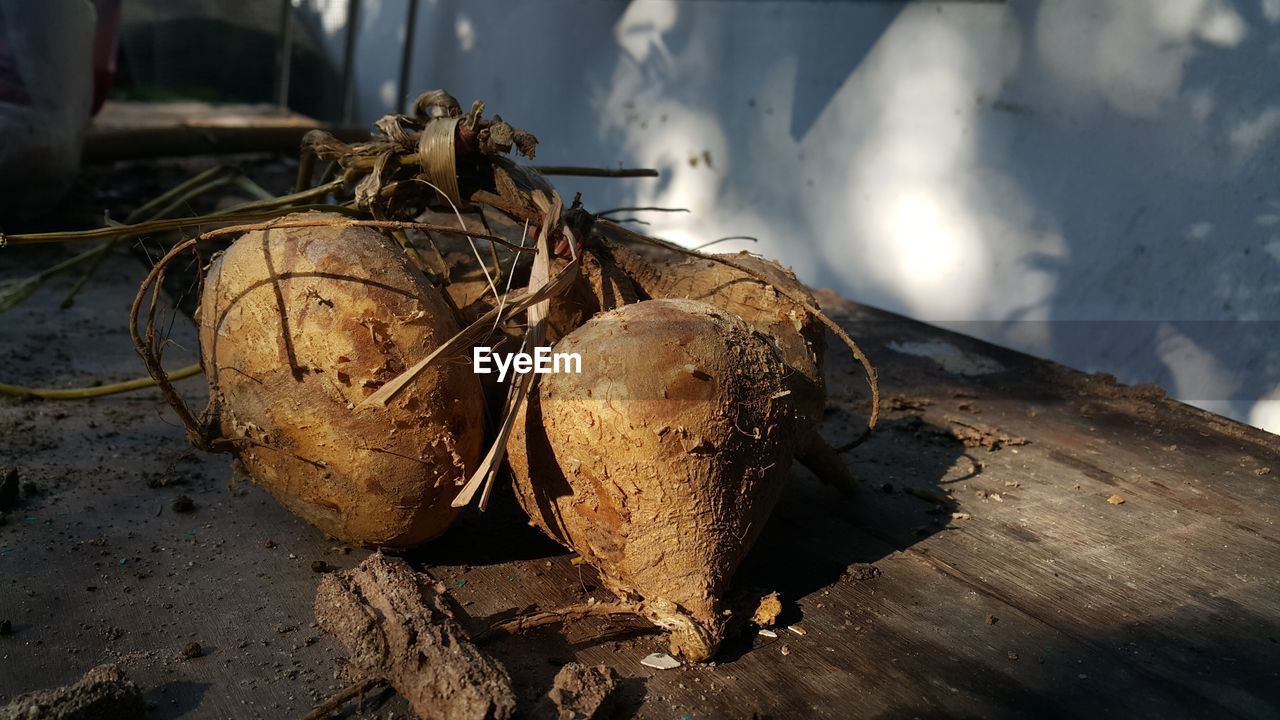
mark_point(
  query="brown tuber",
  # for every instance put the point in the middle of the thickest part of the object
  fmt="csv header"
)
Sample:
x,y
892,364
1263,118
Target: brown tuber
x,y
773,308
661,461
798,335
297,327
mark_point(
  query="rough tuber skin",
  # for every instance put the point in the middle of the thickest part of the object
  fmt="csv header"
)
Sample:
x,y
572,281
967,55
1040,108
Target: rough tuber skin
x,y
662,460
798,335
297,327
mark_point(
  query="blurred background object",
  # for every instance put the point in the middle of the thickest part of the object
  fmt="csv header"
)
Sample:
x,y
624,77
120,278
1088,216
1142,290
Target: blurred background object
x,y
227,51
46,94
1090,181
106,44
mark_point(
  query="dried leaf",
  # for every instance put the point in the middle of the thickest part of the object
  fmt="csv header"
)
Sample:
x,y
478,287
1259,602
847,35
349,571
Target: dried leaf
x,y
539,279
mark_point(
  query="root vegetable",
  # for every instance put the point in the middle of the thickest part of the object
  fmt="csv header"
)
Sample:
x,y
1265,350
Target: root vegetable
x,y
297,326
660,462
798,334
601,286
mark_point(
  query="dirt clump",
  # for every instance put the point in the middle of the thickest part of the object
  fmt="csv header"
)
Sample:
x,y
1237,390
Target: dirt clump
x,y
104,693
580,692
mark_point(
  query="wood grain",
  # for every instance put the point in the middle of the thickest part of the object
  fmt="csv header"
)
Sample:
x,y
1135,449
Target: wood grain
x,y
1044,601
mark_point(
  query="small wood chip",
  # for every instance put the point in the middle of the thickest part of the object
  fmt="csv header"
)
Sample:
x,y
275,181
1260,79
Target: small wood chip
x,y
933,497
861,571
765,632
660,661
1115,500
786,649
797,630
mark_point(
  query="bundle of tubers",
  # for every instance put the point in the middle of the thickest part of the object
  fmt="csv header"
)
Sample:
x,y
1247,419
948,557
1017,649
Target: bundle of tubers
x,y
337,345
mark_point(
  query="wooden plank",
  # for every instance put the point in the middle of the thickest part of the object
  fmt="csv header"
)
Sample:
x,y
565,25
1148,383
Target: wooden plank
x,y
128,130
1163,606
98,567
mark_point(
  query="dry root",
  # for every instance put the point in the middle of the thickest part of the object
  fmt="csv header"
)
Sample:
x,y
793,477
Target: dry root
x,y
542,618
394,625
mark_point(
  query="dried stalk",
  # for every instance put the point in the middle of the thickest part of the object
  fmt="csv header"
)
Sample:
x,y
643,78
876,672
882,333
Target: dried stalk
x,y
83,393
571,613
512,303
344,696
206,182
539,278
578,171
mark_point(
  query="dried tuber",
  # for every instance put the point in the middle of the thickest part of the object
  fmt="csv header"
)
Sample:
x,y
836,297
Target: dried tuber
x,y
660,462
297,326
773,308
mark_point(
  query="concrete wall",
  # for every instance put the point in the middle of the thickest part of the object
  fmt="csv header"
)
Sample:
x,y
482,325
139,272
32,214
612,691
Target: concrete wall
x,y
1095,182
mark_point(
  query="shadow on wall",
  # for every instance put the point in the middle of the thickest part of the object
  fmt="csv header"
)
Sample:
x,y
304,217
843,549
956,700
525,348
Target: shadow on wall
x,y
1155,172
1082,181
1088,181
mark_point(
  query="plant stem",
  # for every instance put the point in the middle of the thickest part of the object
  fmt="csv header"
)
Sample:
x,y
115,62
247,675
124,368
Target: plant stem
x,y
343,696
647,208
148,209
522,623
98,391
595,172
252,188
174,199
258,211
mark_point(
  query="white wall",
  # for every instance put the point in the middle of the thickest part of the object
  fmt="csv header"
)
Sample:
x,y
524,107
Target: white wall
x,y
1096,182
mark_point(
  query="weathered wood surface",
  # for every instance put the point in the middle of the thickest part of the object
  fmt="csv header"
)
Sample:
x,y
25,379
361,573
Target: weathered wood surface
x,y
132,130
1038,597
